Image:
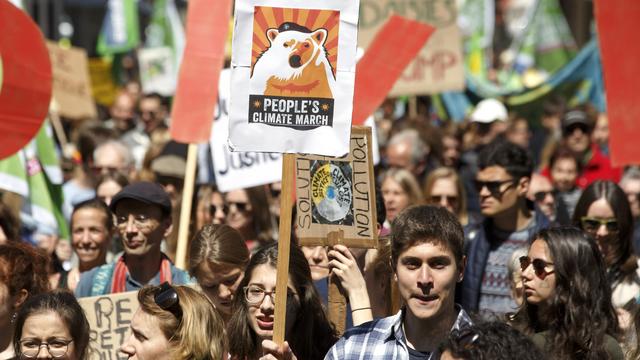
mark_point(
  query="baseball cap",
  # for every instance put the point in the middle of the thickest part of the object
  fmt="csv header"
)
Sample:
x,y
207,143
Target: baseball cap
x,y
488,111
574,117
146,192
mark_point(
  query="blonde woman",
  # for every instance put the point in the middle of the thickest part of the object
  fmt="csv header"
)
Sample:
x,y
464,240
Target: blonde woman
x,y
444,187
400,189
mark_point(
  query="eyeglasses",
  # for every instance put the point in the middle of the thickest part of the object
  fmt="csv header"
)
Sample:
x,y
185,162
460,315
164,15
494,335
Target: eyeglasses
x,y
140,221
569,130
465,338
255,294
539,266
238,206
494,186
213,209
436,199
57,348
541,195
167,299
591,225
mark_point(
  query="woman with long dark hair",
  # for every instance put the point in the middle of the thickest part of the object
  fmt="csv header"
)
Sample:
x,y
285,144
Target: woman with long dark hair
x,y
308,332
567,304
603,212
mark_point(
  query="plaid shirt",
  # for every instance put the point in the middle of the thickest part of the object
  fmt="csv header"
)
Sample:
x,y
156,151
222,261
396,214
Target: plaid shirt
x,y
382,339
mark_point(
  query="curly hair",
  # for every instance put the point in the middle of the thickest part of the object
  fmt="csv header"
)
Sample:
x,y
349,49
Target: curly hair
x,y
311,335
490,341
22,267
579,314
200,332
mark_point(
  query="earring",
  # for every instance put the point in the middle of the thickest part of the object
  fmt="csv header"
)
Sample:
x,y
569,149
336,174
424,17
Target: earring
x,y
14,317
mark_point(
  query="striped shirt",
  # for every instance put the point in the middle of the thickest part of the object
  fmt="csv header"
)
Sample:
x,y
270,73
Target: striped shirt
x,y
382,339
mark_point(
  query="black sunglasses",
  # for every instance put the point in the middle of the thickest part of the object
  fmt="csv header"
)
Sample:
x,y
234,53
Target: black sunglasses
x,y
240,206
541,195
494,186
213,209
167,299
539,266
591,225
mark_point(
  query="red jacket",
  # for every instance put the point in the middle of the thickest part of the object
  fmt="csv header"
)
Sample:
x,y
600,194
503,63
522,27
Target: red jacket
x,y
598,168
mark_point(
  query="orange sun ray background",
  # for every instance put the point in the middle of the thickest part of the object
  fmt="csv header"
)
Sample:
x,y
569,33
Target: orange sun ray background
x,y
270,17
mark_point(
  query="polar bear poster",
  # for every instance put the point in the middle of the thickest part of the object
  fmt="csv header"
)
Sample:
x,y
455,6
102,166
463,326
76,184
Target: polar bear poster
x,y
293,71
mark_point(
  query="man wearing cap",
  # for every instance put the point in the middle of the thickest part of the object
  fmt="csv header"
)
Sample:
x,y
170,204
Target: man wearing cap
x,y
143,219
489,119
577,126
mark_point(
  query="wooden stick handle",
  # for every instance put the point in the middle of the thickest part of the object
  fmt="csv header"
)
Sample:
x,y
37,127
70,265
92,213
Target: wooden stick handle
x,y
337,305
284,248
185,210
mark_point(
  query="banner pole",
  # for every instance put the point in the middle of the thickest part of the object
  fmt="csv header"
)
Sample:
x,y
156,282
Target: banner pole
x,y
185,210
284,248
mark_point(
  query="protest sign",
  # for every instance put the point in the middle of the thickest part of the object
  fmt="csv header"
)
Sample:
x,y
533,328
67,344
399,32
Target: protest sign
x,y
439,65
157,71
293,71
109,319
71,82
384,61
237,170
103,87
616,20
338,195
25,79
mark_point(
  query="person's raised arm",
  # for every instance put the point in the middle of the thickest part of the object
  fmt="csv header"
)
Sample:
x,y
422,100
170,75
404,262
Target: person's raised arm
x,y
343,265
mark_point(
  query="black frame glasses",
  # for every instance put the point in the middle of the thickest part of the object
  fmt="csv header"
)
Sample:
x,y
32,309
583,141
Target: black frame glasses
x,y
539,266
592,224
541,195
168,300
55,348
494,186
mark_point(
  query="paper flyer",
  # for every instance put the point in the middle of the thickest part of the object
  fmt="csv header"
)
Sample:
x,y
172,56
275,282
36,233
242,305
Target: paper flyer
x,y
293,74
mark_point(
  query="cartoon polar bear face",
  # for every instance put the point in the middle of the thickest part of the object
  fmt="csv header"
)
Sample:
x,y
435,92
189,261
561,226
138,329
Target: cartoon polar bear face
x,y
299,47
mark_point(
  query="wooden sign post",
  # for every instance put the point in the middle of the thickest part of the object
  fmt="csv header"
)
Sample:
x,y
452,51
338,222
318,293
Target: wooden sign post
x,y
336,204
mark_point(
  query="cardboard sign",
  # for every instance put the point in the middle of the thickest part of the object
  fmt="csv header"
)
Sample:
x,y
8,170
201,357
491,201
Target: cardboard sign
x,y
439,65
157,71
293,76
338,195
383,62
237,170
25,79
71,82
616,20
109,318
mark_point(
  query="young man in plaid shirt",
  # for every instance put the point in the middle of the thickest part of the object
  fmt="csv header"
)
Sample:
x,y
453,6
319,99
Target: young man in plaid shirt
x,y
428,261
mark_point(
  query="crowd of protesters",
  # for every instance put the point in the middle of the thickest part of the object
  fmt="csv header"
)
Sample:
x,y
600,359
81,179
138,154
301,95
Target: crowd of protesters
x,y
498,240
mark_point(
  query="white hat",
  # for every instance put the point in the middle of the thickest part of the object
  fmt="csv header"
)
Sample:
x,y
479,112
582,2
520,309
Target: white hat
x,y
488,111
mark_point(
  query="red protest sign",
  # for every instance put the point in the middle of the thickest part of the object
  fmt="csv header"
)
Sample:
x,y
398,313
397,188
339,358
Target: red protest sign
x,y
25,79
617,20
197,90
383,62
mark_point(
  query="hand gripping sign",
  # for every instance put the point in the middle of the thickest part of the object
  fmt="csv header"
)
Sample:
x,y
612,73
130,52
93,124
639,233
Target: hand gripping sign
x,y
293,73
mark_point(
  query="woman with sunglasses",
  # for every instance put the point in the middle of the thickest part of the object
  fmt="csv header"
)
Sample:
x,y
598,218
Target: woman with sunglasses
x,y
613,231
308,332
217,259
175,323
444,187
52,326
567,306
249,213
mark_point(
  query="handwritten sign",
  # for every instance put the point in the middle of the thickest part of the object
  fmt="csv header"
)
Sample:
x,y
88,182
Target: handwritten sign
x,y
438,66
157,71
71,82
237,170
337,194
109,318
